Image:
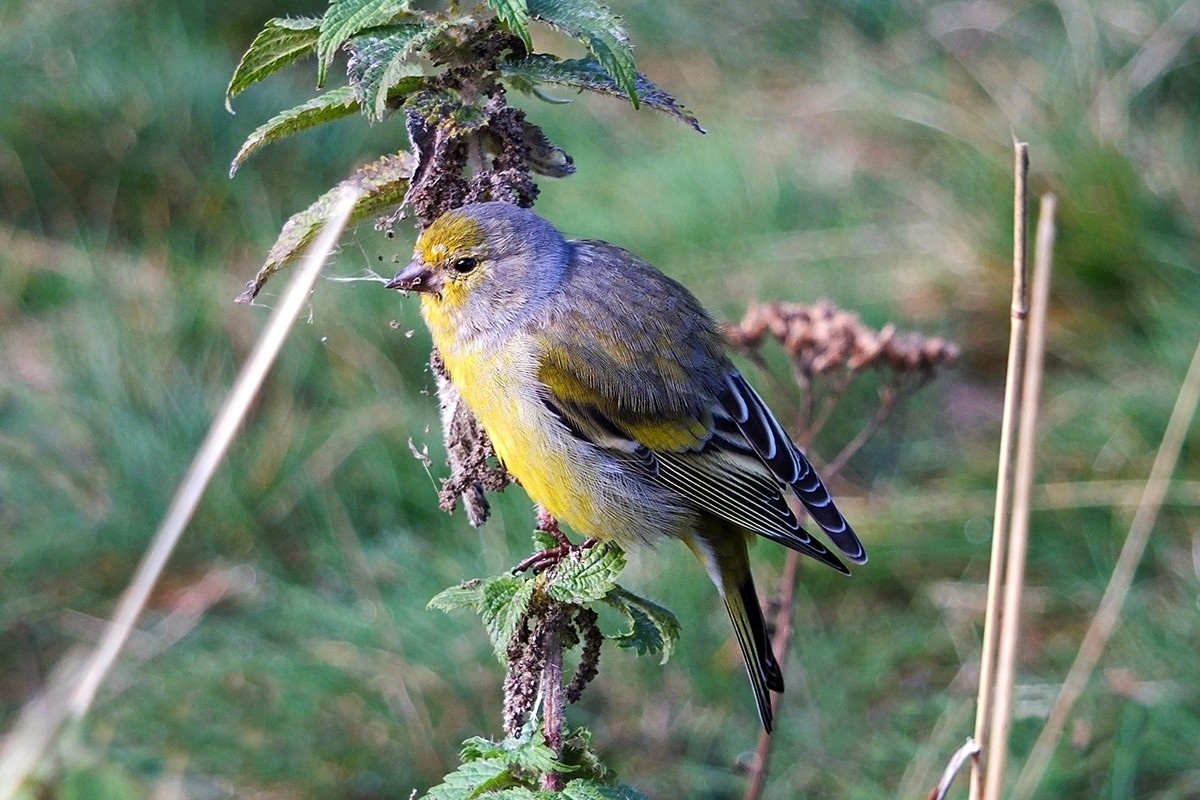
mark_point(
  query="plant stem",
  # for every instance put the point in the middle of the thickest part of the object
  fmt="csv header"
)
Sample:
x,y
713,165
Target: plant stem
x,y
476,159
782,638
56,704
781,643
840,383
886,406
1013,388
553,693
1018,538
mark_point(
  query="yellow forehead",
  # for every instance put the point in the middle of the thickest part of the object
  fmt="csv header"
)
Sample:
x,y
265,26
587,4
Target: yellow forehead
x,y
449,235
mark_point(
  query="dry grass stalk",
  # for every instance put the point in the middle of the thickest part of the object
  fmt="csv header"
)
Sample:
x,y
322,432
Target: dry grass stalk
x,y
70,694
1018,538
1108,614
968,751
1013,389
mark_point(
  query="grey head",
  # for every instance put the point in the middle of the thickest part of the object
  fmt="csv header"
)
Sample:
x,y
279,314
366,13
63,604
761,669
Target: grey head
x,y
488,266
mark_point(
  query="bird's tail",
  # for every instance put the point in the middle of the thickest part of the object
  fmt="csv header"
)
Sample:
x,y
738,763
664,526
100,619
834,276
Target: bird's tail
x,y
722,548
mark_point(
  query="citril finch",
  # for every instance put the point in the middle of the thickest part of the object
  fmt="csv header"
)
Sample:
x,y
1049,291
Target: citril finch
x,y
607,392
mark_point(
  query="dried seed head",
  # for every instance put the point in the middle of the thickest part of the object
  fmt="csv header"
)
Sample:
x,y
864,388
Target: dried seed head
x,y
523,678
586,625
822,338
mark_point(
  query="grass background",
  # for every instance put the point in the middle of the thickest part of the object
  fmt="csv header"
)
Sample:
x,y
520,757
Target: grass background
x,y
858,151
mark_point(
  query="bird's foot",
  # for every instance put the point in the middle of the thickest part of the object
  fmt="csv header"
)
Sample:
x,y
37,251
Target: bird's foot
x,y
548,558
546,523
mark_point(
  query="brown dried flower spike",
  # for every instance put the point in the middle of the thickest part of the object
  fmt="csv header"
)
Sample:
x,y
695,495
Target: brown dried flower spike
x,y
823,341
822,338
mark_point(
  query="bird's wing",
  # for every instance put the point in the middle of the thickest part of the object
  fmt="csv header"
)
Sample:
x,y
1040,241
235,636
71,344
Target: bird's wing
x,y
714,474
662,397
762,432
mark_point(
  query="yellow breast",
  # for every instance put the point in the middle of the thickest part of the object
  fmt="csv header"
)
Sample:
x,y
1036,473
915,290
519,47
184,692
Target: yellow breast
x,y
499,384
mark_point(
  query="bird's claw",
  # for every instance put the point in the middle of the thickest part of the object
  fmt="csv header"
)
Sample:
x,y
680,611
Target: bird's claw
x,y
549,558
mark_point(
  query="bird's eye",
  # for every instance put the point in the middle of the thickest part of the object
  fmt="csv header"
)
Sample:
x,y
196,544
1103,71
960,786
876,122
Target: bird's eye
x,y
465,265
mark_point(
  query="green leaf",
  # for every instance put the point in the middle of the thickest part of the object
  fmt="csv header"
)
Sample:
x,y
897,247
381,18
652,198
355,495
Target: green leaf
x,y
652,628
528,753
279,43
467,118
600,30
472,779
382,183
586,575
583,789
505,602
380,69
465,595
584,762
517,793
588,74
534,755
346,18
334,104
501,601
514,15
477,748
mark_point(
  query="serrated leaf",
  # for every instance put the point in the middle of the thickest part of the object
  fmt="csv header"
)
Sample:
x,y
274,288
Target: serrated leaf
x,y
472,779
505,602
477,747
652,628
497,593
466,595
583,789
529,752
584,761
514,14
334,104
382,184
280,42
588,74
346,18
380,69
643,635
586,575
516,793
534,756
601,32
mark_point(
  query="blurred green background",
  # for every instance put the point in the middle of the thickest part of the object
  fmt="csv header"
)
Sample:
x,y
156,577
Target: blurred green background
x,y
858,151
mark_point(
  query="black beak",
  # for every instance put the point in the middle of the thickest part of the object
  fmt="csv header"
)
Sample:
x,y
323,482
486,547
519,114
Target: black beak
x,y
416,277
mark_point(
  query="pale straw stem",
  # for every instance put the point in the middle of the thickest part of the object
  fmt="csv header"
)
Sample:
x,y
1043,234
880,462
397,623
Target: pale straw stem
x,y
1008,426
72,690
1018,536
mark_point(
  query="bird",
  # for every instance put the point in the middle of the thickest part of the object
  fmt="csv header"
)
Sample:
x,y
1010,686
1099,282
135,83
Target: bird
x,y
608,392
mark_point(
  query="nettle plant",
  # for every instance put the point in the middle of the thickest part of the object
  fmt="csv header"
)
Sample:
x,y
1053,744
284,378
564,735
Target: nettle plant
x,y
445,74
